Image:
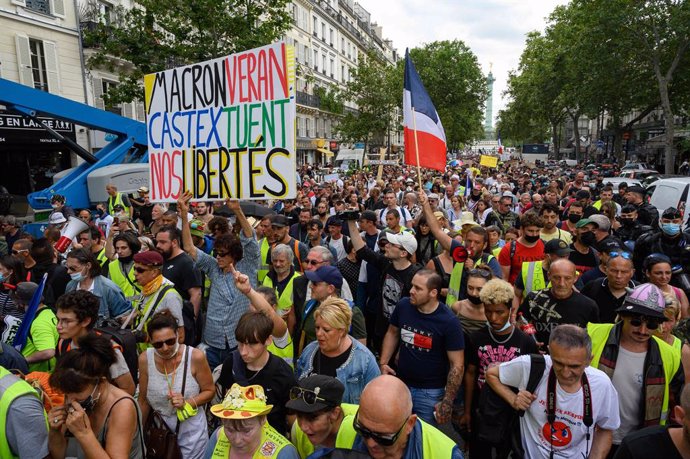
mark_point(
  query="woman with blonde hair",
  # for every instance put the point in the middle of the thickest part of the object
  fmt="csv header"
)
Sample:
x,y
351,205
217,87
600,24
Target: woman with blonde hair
x,y
672,313
336,353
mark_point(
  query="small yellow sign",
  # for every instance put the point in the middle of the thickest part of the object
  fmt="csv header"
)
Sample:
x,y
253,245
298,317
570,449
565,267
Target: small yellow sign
x,y
488,161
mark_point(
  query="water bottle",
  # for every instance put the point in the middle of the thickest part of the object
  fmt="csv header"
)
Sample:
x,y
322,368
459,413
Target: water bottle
x,y
526,327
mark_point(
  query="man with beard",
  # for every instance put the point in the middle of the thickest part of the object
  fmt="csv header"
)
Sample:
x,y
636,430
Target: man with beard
x,y
549,215
577,184
178,267
670,241
202,212
300,230
322,212
279,230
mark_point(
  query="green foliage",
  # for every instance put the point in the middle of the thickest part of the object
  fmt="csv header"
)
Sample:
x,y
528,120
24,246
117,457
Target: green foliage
x,y
331,99
157,35
453,78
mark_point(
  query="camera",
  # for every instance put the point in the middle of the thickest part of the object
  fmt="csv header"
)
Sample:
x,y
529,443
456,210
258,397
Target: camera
x,y
348,215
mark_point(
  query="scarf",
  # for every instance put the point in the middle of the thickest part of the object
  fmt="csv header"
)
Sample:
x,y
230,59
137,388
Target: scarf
x,y
654,376
153,286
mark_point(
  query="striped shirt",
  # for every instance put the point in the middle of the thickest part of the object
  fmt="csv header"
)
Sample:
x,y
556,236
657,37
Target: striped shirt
x,y
225,303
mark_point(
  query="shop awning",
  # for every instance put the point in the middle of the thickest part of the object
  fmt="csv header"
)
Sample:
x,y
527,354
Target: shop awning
x,y
345,154
328,153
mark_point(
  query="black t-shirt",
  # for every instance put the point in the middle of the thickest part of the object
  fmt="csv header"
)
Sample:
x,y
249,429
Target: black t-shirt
x,y
583,261
483,351
144,213
649,442
324,365
181,271
598,290
546,312
276,378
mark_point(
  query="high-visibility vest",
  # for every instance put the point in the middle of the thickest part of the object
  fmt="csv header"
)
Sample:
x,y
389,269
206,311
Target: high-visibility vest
x,y
11,387
305,447
533,277
265,263
270,445
114,201
456,278
286,353
144,311
435,444
102,259
285,299
670,357
127,283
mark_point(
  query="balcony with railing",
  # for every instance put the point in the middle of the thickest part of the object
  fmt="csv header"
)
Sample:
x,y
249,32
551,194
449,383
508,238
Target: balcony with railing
x,y
308,100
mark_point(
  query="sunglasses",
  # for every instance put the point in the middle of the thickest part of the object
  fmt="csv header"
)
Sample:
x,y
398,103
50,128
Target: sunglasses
x,y
381,439
479,272
17,252
652,323
312,262
141,270
626,255
168,342
309,396
219,254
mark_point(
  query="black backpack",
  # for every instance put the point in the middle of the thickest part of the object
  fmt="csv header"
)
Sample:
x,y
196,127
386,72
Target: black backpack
x,y
498,422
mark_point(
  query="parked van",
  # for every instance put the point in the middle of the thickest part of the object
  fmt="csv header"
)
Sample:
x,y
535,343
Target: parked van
x,y
670,192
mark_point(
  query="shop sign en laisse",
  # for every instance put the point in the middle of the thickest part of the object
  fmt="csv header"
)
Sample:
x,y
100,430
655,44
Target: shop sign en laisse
x,y
224,128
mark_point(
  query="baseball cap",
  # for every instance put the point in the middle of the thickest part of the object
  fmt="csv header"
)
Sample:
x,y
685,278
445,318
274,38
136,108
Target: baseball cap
x,y
328,274
24,292
558,247
602,221
280,221
404,239
636,189
149,258
368,215
196,227
142,189
608,245
646,300
433,196
585,221
455,177
325,391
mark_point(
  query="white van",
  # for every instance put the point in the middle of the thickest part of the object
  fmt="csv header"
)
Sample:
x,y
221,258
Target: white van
x,y
670,192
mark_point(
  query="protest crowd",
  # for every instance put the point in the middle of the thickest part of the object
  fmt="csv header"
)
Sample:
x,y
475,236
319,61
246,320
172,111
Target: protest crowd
x,y
521,310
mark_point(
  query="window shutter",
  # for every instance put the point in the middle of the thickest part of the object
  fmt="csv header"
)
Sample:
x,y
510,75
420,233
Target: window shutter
x,y
57,8
98,93
26,75
52,68
127,110
141,111
19,2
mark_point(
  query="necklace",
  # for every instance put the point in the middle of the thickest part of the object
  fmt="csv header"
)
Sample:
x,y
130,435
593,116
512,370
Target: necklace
x,y
505,340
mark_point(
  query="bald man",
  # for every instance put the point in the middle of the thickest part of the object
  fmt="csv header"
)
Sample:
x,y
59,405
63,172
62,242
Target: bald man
x,y
560,303
661,441
385,427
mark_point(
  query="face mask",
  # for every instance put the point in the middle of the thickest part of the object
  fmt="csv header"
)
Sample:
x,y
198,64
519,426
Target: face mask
x,y
474,299
77,276
2,278
627,221
531,239
177,348
574,218
90,403
588,238
670,229
505,327
55,206
126,260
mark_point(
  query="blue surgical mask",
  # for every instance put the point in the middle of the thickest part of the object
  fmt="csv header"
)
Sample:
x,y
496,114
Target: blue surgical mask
x,y
670,229
77,277
2,277
505,327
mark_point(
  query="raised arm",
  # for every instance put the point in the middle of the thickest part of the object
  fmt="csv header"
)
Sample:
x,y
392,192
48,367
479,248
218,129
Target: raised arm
x,y
435,228
259,302
182,211
247,229
355,237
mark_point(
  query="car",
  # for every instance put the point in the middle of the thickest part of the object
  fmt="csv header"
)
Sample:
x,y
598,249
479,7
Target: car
x,y
615,181
634,166
638,174
670,192
653,178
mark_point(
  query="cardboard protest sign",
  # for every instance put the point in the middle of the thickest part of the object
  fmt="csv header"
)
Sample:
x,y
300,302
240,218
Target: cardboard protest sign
x,y
224,128
488,161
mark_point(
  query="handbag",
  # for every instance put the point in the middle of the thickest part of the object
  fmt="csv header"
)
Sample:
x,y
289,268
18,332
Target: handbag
x,y
161,441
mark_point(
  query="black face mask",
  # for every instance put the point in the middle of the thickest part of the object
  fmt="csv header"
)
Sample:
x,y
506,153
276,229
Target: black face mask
x,y
126,260
588,238
531,239
90,402
627,221
474,299
574,218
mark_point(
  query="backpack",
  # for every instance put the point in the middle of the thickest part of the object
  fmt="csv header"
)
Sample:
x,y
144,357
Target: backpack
x,y
498,422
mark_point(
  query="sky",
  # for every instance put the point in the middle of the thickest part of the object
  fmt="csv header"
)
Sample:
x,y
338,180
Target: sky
x,y
494,30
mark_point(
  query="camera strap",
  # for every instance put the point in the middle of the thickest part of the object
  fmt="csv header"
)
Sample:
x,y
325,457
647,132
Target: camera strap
x,y
551,395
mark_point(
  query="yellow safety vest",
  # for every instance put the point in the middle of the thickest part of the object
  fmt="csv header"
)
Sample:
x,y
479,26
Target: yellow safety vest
x,y
116,275
305,447
287,353
496,251
113,202
270,445
102,259
144,310
435,444
670,357
285,300
456,279
265,265
533,277
11,387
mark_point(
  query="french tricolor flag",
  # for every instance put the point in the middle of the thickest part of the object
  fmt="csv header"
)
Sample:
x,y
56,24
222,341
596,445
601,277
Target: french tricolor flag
x,y
422,126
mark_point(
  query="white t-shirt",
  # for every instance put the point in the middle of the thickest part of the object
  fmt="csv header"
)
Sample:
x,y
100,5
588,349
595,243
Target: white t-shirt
x,y
338,245
628,380
569,440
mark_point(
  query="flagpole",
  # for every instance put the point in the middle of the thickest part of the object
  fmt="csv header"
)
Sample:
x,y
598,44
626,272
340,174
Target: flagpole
x,y
416,150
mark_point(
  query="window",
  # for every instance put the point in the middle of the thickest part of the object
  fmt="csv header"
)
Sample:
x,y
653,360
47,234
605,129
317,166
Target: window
x,y
40,6
332,36
316,26
332,68
105,87
342,73
316,60
308,130
38,64
323,31
323,69
106,12
300,126
342,45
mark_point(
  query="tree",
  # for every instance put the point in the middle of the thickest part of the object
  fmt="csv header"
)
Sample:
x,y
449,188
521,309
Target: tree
x,y
453,78
376,90
156,35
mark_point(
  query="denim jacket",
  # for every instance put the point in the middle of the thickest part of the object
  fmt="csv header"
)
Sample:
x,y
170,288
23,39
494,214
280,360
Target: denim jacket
x,y
355,373
113,302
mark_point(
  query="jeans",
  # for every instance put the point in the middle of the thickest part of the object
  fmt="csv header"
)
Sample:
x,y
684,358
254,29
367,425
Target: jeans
x,y
424,402
215,355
